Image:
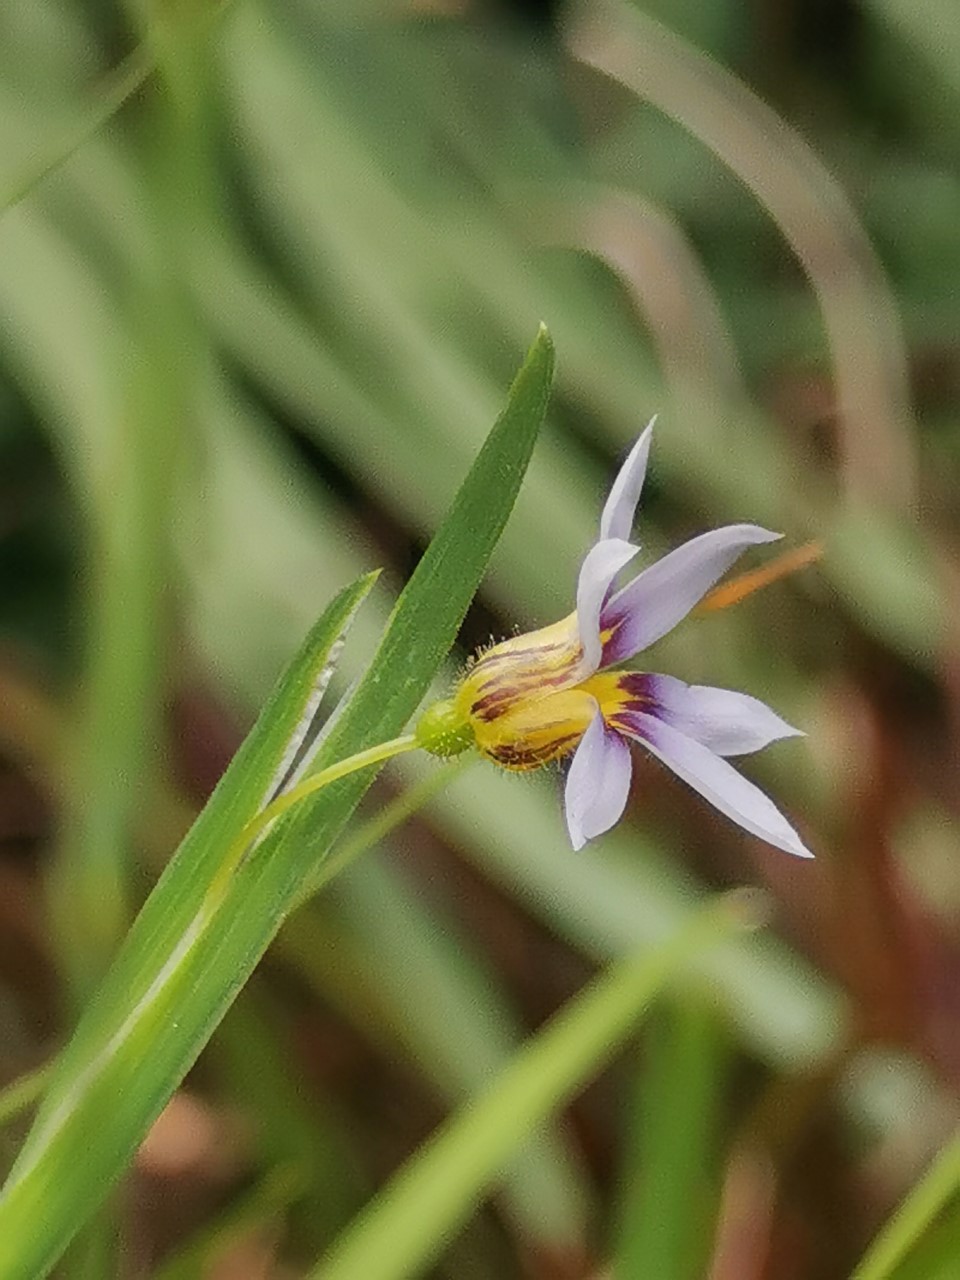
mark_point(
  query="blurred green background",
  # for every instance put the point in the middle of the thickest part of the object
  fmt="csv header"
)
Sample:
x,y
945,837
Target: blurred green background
x,y
266,269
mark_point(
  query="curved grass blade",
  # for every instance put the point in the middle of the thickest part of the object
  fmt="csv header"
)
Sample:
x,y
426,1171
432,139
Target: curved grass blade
x,y
181,967
113,92
935,1254
117,87
914,1216
77,1102
407,1225
668,1193
447,1007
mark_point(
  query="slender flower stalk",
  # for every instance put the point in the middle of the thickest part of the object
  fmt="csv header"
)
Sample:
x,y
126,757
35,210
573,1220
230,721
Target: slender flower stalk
x,y
553,694
288,799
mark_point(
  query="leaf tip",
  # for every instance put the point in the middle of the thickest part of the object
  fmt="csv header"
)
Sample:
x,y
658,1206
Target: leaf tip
x,y
540,359
543,340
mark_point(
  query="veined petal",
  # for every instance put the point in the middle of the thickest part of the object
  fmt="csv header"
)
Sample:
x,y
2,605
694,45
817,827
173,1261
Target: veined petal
x,y
520,669
601,565
535,729
597,784
726,722
616,521
659,597
716,781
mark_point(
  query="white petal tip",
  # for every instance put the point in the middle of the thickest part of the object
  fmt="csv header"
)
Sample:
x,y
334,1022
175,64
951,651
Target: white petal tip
x,y
798,849
788,731
577,839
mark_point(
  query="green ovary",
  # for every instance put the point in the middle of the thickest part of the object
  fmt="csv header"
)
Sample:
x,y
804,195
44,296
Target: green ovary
x,y
443,731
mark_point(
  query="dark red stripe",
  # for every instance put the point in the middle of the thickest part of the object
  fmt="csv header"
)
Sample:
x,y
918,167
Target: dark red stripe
x,y
492,705
510,756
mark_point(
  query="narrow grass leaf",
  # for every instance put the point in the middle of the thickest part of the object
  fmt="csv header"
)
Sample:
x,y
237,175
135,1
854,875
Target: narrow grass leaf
x,y
182,964
666,1195
935,1255
54,1174
911,1220
453,1016
405,1228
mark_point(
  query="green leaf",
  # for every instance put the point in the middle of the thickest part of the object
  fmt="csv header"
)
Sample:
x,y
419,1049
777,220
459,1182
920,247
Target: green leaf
x,y
116,1029
911,1220
451,1014
935,1255
404,1229
181,967
669,1191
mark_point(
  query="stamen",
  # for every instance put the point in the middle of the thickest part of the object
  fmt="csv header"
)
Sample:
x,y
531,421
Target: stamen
x,y
737,589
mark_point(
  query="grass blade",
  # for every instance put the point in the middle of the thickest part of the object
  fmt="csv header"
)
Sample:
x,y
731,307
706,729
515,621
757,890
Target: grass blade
x,y
667,1199
50,1179
452,1015
181,966
909,1222
406,1227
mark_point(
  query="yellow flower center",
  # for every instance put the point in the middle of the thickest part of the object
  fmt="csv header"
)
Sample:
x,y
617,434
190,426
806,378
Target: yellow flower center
x,y
536,730
523,703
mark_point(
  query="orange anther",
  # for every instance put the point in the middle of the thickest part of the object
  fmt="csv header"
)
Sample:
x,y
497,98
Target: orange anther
x,y
737,589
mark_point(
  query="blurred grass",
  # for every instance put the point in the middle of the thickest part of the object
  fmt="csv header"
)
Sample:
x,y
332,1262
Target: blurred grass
x,y
669,1185
252,332
402,1229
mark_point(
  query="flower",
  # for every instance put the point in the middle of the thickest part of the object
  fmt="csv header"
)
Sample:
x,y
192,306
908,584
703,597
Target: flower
x,y
549,694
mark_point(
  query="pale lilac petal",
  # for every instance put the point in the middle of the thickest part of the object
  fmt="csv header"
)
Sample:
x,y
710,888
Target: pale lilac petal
x,y
597,783
659,597
601,565
728,723
621,507
716,781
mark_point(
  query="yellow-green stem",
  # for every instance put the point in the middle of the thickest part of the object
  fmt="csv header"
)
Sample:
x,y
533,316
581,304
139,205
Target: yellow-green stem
x,y
206,913
25,1091
288,799
391,816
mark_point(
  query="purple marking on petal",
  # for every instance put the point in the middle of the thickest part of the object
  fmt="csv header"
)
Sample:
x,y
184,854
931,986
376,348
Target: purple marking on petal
x,y
601,565
716,781
597,783
621,507
662,595
728,723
